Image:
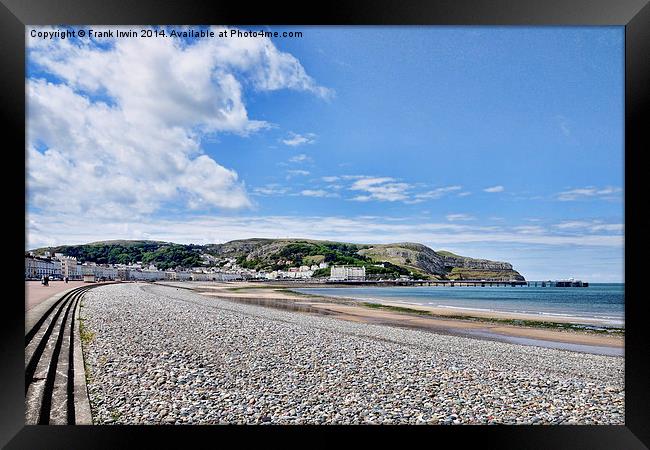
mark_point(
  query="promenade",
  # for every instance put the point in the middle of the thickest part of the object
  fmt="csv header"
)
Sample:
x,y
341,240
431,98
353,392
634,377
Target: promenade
x,y
55,384
36,293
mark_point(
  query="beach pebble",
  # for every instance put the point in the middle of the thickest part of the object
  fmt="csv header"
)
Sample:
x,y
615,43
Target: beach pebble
x,y
168,356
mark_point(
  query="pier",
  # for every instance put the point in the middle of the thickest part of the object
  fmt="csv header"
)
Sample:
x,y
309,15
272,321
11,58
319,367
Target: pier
x,y
447,283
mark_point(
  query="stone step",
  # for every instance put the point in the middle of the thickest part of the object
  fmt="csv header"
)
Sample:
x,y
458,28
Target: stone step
x,y
55,384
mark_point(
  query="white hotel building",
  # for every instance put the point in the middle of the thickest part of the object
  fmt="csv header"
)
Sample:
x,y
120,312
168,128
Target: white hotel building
x,y
71,268
36,268
99,272
348,273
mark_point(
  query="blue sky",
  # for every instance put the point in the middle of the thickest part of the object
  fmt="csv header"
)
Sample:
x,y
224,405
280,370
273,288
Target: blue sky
x,y
494,142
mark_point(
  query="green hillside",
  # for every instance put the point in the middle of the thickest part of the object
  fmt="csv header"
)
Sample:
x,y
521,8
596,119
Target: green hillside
x,y
164,255
380,260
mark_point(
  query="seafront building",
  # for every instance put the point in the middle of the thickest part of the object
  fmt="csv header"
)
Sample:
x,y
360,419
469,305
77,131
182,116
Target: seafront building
x,y
100,272
302,272
173,275
214,276
60,266
348,273
37,267
70,267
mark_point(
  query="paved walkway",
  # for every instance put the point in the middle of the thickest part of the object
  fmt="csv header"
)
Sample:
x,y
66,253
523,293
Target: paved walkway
x,y
36,293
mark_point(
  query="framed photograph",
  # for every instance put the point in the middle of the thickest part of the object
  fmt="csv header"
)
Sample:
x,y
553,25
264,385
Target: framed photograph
x,y
375,220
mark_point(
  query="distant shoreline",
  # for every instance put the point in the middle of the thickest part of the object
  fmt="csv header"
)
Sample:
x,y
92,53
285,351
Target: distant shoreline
x,y
556,331
543,319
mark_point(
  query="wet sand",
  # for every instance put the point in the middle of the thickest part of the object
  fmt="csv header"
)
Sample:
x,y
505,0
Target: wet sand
x,y
472,323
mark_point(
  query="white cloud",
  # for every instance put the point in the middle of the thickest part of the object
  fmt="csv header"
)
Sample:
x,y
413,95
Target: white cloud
x,y
68,229
590,192
457,217
317,193
381,189
616,227
529,229
297,172
271,189
295,140
366,182
299,158
494,189
572,225
593,226
438,192
124,121
96,161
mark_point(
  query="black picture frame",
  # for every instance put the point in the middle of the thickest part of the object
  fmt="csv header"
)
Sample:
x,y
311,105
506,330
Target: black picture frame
x,y
633,14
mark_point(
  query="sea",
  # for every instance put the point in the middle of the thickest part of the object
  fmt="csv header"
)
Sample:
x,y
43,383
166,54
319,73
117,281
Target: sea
x,y
603,303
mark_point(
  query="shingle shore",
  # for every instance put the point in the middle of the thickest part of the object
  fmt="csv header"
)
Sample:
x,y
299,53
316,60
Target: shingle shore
x,y
165,355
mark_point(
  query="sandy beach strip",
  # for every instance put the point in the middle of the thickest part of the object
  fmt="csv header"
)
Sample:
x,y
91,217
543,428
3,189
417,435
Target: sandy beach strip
x,y
437,320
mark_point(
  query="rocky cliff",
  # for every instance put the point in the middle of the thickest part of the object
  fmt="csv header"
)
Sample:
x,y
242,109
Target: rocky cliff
x,y
462,267
442,264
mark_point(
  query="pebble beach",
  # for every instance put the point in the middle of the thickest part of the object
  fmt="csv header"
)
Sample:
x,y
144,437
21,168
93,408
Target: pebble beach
x,y
167,355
